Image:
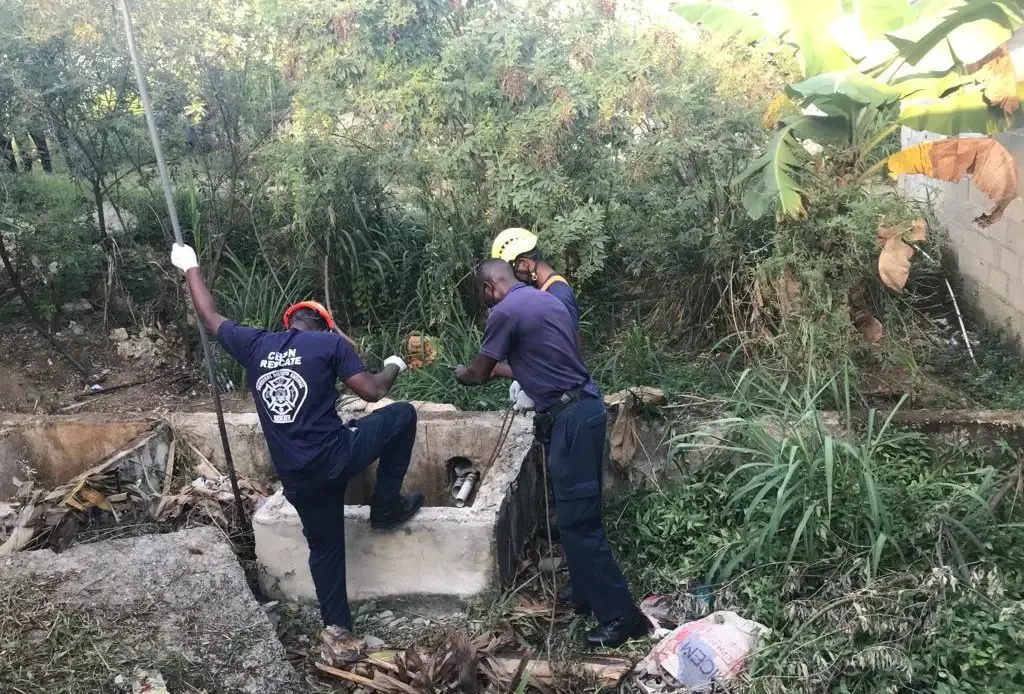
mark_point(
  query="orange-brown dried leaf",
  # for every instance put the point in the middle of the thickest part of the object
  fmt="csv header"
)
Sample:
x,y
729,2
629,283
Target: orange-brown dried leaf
x,y
894,263
987,162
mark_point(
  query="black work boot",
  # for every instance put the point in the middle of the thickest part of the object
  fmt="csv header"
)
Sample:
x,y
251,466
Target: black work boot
x,y
387,516
618,631
567,600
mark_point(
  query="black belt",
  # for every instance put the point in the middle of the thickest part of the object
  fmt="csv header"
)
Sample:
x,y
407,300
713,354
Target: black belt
x,y
567,398
544,421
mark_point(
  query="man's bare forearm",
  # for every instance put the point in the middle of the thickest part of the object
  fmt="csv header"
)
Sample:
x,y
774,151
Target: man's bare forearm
x,y
502,370
203,301
385,379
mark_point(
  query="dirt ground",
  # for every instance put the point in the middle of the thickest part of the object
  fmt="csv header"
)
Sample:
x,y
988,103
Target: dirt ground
x,y
152,371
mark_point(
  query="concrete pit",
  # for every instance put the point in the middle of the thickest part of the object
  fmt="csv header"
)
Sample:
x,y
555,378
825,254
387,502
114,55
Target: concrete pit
x,y
53,450
444,551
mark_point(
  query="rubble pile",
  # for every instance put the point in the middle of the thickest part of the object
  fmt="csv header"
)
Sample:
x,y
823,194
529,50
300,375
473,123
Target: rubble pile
x,y
110,495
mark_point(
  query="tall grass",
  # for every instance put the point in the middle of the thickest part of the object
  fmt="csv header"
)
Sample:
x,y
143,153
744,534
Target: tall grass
x,y
255,295
809,486
457,343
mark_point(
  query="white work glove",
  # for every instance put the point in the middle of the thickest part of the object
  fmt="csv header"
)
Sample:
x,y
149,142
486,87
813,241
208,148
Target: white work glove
x,y
183,257
518,397
397,361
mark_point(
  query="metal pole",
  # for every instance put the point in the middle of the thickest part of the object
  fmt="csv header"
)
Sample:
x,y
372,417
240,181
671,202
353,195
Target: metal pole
x,y
165,180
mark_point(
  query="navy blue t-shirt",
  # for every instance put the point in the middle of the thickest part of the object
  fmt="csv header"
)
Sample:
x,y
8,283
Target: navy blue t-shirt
x,y
566,295
534,331
292,376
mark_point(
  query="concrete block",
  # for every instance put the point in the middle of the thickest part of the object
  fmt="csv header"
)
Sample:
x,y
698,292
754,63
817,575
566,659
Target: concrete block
x,y
248,447
1014,213
972,268
173,598
1009,264
443,550
980,247
998,283
995,309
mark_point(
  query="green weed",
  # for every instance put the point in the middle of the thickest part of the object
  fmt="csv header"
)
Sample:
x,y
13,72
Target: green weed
x,y
876,556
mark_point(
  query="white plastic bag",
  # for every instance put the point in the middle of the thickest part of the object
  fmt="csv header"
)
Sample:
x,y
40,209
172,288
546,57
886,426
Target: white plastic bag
x,y
711,649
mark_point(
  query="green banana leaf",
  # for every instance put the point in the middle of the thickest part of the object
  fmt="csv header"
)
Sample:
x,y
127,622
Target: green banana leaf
x,y
966,33
724,21
770,182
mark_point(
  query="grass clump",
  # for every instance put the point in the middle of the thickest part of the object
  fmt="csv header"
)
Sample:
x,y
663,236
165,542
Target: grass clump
x,y
881,559
51,644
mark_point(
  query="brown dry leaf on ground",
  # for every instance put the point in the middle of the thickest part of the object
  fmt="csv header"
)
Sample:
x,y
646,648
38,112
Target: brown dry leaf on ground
x,y
894,260
986,161
491,662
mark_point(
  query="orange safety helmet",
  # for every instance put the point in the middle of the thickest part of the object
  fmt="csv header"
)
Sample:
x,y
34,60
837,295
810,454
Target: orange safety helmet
x,y
315,306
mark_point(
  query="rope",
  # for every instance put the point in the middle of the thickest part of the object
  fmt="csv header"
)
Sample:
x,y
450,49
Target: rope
x,y
165,181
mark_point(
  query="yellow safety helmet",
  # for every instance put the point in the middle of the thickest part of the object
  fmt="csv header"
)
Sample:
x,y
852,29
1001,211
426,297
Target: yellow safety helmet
x,y
512,243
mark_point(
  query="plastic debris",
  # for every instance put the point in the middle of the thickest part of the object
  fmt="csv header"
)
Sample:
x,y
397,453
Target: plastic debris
x,y
149,682
700,653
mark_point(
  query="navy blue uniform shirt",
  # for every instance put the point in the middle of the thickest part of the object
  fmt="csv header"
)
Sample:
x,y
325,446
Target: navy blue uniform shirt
x,y
292,376
566,295
535,333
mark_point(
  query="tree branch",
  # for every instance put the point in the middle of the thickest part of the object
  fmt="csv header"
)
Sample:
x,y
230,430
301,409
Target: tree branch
x,y
34,313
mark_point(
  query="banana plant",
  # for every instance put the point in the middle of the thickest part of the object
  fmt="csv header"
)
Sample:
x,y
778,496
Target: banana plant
x,y
939,65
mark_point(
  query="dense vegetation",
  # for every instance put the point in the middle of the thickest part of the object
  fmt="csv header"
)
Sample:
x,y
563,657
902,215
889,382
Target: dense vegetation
x,y
373,148
384,144
882,560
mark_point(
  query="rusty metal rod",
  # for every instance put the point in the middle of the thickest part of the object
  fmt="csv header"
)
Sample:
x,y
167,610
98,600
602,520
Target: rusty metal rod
x,y
165,181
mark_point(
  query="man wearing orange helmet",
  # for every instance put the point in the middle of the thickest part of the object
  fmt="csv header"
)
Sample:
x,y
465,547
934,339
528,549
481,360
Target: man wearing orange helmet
x,y
292,376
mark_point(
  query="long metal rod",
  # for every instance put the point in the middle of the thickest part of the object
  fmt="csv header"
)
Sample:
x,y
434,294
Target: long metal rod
x,y
165,180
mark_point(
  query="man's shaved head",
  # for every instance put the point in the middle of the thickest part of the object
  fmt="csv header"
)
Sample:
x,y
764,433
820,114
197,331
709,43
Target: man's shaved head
x,y
494,270
494,277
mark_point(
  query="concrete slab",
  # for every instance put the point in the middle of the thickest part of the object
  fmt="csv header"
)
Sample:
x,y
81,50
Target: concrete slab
x,y
443,551
176,603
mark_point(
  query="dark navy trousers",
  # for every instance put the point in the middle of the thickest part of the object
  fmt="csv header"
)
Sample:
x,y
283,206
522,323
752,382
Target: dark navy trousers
x,y
575,457
387,434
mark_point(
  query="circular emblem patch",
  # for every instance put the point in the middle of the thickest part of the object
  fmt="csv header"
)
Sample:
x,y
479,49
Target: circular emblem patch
x,y
283,393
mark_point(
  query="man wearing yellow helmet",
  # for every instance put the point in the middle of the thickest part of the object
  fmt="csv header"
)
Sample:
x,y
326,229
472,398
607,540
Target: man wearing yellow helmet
x,y
518,248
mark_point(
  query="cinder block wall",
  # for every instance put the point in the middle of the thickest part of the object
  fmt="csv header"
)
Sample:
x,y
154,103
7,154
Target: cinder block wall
x,y
990,259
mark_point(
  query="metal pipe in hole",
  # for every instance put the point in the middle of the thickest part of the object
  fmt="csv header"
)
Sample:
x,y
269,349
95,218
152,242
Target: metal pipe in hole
x,y
457,485
467,489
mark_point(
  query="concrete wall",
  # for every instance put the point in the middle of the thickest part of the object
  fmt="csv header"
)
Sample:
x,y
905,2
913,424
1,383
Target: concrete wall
x,y
52,450
442,551
991,259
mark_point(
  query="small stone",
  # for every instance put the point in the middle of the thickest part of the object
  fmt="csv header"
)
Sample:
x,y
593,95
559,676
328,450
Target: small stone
x,y
374,643
119,334
80,306
385,615
366,608
420,622
549,564
401,621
